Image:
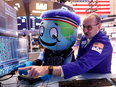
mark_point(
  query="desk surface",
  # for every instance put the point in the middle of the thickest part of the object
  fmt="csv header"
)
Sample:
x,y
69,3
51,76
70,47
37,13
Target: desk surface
x,y
13,82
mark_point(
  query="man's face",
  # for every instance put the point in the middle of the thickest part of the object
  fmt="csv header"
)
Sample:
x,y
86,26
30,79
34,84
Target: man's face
x,y
90,27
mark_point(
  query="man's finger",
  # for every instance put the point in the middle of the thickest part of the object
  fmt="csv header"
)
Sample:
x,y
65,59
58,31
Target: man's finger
x,y
25,68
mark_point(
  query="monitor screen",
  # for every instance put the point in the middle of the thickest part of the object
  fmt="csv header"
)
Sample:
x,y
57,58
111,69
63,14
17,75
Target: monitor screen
x,y
34,22
13,51
2,15
8,20
22,23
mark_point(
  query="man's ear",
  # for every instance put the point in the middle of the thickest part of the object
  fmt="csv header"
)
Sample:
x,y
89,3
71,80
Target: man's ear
x,y
99,25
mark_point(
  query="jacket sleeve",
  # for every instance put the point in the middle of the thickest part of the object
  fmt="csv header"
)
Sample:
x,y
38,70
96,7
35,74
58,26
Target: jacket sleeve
x,y
88,61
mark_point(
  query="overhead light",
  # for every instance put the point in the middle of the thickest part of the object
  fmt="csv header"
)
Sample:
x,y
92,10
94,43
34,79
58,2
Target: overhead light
x,y
34,11
17,4
41,6
16,8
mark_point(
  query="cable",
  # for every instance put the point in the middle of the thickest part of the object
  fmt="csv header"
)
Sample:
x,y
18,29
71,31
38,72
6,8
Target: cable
x,y
18,85
17,82
0,84
11,73
7,84
6,78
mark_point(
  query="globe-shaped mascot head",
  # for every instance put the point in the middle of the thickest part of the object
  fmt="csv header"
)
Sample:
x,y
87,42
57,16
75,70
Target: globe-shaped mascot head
x,y
58,29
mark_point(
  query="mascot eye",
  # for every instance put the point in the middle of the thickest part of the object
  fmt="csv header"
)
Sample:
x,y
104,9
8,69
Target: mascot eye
x,y
53,33
41,30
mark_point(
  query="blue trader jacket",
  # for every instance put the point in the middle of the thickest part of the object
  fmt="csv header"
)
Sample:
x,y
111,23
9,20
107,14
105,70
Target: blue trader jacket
x,y
93,58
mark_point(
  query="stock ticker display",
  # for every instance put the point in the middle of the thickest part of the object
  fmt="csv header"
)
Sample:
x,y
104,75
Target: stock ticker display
x,y
13,51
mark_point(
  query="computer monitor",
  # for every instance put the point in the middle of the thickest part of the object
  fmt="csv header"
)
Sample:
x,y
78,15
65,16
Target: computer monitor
x,y
34,22
8,24
13,51
22,23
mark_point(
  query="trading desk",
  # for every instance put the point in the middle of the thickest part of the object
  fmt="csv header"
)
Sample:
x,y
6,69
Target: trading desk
x,y
53,82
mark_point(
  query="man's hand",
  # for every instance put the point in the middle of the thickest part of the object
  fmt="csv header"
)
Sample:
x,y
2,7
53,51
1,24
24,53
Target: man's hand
x,y
35,71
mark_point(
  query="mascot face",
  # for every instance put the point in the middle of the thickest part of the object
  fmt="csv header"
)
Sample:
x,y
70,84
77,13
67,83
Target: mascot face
x,y
57,35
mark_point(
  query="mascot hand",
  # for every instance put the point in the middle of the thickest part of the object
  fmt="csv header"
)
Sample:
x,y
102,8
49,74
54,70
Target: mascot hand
x,y
46,77
26,64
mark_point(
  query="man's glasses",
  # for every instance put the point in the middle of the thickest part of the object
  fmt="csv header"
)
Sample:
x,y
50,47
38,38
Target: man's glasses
x,y
88,27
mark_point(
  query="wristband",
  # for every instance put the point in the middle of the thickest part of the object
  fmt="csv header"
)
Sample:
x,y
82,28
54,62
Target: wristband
x,y
50,68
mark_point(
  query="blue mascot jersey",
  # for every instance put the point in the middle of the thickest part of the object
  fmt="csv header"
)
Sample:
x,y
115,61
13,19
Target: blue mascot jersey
x,y
55,58
58,58
93,58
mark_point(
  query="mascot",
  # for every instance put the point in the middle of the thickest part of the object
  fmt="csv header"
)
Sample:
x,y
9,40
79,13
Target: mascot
x,y
57,34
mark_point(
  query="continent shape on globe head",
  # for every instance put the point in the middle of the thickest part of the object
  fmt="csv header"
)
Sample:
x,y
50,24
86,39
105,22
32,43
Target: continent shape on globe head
x,y
58,29
68,31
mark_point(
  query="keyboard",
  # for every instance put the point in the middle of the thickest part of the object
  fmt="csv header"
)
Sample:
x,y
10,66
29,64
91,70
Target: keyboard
x,y
113,79
86,83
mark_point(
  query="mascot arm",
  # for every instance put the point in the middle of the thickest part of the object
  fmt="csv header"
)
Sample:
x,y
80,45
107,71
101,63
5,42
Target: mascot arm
x,y
41,57
37,62
69,58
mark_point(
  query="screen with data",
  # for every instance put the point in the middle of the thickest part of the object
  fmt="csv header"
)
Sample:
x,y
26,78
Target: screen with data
x,y
13,51
8,20
34,22
22,23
